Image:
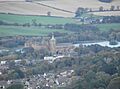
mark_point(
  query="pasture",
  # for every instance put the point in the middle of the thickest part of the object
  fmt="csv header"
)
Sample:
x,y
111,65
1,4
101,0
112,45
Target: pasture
x,y
39,19
27,31
109,26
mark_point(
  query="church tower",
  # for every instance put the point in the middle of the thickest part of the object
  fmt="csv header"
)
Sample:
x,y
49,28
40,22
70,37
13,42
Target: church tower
x,y
52,44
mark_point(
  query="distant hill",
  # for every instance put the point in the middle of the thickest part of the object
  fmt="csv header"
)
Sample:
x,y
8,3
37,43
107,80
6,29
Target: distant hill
x,y
56,7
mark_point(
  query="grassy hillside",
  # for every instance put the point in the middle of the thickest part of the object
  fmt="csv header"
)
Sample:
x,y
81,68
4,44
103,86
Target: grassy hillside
x,y
37,31
31,31
106,27
27,31
39,19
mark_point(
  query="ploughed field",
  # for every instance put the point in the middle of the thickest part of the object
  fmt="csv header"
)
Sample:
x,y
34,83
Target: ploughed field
x,y
64,8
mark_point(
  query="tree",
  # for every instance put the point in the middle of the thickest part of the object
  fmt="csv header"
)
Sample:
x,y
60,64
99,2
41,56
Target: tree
x,y
102,79
118,8
28,0
16,86
90,76
16,74
101,8
114,83
113,39
80,11
112,8
107,1
49,13
34,23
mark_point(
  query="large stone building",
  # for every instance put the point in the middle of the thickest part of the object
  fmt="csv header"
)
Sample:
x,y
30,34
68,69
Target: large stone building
x,y
51,45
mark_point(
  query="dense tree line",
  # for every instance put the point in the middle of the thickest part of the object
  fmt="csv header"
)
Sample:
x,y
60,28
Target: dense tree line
x,y
16,86
78,28
80,11
99,71
111,19
107,1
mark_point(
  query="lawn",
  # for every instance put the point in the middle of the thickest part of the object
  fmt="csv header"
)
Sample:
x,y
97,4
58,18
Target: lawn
x,y
106,27
27,31
39,19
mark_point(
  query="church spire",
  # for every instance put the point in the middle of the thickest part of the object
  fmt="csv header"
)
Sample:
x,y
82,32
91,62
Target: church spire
x,y
52,44
53,38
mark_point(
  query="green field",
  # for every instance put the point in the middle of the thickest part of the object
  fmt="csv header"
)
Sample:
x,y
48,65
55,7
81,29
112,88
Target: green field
x,y
106,27
31,31
27,31
37,31
39,19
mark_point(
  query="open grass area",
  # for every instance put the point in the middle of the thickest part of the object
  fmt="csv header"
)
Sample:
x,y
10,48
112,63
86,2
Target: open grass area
x,y
39,19
37,31
27,31
106,27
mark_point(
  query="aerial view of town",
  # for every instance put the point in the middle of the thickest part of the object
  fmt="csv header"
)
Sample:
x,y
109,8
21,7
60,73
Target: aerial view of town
x,y
59,44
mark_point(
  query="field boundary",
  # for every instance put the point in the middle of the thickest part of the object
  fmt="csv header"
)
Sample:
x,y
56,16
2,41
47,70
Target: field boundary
x,y
54,7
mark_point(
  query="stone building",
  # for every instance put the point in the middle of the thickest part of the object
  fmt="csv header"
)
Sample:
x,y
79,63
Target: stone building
x,y
51,45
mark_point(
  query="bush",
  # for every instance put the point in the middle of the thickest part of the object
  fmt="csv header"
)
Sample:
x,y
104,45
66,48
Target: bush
x,y
16,86
107,1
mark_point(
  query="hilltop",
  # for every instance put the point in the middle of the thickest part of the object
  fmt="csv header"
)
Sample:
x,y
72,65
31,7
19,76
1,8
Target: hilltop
x,y
64,8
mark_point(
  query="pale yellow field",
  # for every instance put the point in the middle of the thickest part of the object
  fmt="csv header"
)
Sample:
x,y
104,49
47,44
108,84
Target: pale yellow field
x,y
112,13
29,8
32,8
73,4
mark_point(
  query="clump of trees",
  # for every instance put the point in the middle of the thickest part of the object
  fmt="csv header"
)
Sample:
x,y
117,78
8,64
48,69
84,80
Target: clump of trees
x,y
78,28
16,74
80,11
111,19
112,8
114,83
107,1
16,86
28,0
95,71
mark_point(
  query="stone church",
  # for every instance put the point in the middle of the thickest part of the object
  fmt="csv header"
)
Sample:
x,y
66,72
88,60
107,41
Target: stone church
x,y
51,45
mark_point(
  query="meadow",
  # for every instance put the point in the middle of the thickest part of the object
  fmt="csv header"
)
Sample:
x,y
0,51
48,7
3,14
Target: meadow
x,y
108,26
39,19
6,30
27,31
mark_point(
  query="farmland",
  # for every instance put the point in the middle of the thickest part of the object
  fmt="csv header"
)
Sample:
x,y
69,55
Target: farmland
x,y
26,8
22,12
27,31
39,19
31,31
59,44
39,31
41,7
106,27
